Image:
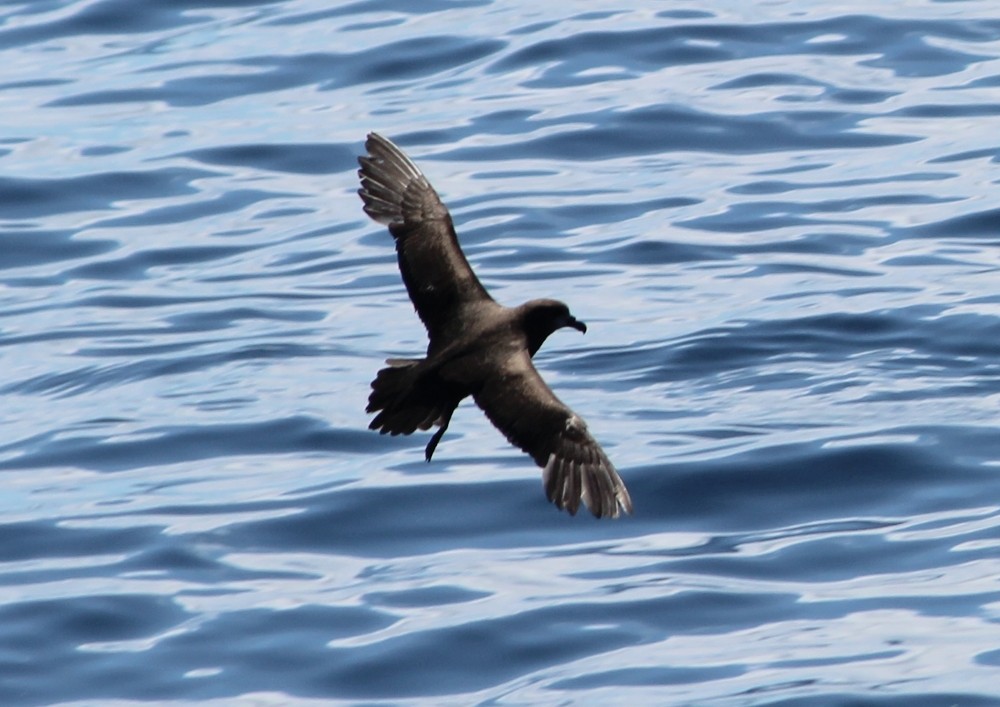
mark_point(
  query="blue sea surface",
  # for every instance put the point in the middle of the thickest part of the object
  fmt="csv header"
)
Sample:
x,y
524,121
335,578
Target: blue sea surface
x,y
780,220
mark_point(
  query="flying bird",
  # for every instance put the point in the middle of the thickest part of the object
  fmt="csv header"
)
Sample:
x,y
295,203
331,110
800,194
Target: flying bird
x,y
477,347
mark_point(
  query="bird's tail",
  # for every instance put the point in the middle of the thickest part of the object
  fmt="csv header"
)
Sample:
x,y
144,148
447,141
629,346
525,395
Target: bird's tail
x,y
402,405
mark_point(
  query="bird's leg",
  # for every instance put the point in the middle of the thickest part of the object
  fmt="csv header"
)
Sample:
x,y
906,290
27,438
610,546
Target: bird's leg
x,y
432,445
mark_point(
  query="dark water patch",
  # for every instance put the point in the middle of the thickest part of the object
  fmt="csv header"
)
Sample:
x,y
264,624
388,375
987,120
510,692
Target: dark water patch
x,y
218,319
145,551
824,662
766,79
431,596
649,677
607,212
784,187
283,651
786,268
89,378
813,243
533,226
321,262
772,215
911,55
627,132
35,83
138,265
980,224
181,324
88,619
421,517
458,659
828,91
924,261
837,559
847,292
108,17
298,158
406,60
989,658
753,217
176,557
37,539
365,7
858,96
288,647
31,248
232,201
991,152
184,443
902,46
950,110
104,150
278,213
420,57
646,252
940,340
135,301
24,197
982,82
799,483
470,657
940,391
665,252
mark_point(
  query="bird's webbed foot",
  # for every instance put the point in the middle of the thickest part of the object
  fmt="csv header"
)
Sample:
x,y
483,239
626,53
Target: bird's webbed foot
x,y
432,445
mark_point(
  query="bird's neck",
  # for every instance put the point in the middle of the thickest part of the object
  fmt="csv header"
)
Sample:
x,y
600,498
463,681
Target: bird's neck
x,y
536,332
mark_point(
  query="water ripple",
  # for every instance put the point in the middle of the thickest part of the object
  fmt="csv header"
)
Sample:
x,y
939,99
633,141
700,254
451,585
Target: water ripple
x,y
777,221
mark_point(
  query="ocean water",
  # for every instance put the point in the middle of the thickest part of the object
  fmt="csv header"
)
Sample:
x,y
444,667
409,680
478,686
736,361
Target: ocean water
x,y
780,220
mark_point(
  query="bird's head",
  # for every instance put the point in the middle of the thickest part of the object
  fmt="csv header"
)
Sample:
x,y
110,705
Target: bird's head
x,y
541,317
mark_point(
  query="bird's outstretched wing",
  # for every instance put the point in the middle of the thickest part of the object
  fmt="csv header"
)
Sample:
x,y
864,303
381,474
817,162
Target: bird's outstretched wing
x,y
519,403
437,276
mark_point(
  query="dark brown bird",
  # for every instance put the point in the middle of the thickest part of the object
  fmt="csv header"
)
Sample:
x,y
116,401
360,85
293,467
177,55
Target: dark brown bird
x,y
477,346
